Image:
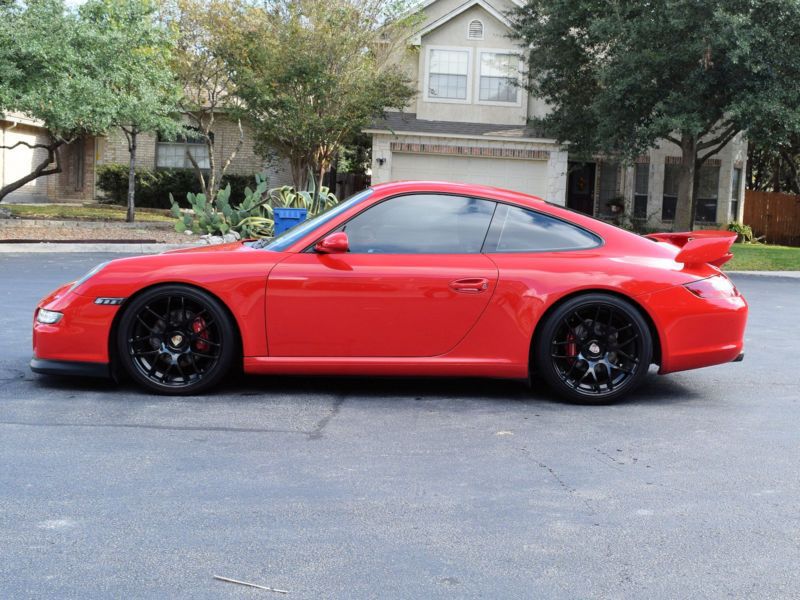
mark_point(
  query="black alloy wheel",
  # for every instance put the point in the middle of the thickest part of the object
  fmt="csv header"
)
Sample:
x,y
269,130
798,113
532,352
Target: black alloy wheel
x,y
176,340
593,349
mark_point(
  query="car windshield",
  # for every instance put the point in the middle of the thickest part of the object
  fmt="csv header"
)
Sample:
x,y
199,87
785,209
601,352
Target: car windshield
x,y
290,236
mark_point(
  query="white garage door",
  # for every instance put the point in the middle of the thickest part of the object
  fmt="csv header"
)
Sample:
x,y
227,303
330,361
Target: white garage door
x,y
529,176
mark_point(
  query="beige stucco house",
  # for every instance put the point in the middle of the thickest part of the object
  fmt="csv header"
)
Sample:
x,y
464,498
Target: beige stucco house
x,y
81,158
470,123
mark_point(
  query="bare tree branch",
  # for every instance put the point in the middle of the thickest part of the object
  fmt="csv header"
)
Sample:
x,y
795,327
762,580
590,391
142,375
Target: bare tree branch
x,y
41,169
732,128
233,154
722,143
199,172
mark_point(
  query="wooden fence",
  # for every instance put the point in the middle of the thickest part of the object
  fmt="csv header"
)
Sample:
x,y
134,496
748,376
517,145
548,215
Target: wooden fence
x,y
774,216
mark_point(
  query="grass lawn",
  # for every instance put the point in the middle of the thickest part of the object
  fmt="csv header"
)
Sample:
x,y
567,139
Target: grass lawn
x,y
84,212
761,257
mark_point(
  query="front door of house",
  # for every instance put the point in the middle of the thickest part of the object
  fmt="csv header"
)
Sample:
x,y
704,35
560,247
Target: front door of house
x,y
580,187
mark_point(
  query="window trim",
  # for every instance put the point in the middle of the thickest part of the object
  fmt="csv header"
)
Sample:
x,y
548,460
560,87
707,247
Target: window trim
x,y
185,142
426,81
520,66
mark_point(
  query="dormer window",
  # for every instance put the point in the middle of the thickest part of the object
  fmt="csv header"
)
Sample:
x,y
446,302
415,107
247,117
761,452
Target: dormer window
x,y
475,30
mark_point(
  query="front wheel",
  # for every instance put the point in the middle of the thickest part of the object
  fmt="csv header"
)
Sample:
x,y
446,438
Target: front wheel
x,y
175,339
593,349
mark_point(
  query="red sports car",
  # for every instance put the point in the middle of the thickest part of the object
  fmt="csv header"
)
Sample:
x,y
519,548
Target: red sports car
x,y
409,278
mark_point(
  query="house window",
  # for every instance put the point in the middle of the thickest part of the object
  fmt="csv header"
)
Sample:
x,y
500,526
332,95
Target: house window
x,y
447,75
609,172
670,200
475,30
174,154
498,77
640,184
736,190
707,193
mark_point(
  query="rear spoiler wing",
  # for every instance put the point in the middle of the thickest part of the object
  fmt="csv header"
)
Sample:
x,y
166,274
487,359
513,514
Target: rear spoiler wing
x,y
698,247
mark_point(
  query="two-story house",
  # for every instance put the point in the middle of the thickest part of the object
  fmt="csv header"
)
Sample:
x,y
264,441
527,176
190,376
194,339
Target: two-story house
x,y
470,123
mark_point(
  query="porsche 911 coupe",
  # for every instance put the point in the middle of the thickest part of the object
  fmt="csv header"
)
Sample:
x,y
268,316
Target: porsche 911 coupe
x,y
408,279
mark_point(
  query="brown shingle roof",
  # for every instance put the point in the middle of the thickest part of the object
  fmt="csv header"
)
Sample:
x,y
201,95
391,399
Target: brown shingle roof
x,y
401,122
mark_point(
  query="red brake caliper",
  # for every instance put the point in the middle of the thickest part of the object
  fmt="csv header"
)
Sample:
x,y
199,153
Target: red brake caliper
x,y
199,327
572,348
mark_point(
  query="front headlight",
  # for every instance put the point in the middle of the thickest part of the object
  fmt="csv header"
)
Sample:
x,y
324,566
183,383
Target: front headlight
x,y
88,276
48,317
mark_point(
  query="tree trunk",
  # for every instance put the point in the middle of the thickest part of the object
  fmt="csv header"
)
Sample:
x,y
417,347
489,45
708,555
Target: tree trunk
x,y
129,217
41,170
299,167
684,211
315,204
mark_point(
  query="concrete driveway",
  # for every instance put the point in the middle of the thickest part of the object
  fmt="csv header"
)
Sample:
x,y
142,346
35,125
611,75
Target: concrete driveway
x,y
388,488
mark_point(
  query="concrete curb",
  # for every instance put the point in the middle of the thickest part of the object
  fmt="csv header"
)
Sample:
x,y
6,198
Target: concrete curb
x,y
787,274
55,248
51,223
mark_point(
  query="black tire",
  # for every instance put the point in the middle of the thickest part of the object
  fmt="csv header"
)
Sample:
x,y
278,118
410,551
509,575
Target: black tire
x,y
177,340
593,349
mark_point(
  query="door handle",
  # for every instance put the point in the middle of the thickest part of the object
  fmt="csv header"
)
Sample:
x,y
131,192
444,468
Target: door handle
x,y
470,285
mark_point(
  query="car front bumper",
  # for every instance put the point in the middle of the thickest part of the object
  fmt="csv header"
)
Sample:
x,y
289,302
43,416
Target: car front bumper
x,y
70,368
78,340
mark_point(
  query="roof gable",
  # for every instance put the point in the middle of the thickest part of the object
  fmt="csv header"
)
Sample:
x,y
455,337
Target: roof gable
x,y
416,39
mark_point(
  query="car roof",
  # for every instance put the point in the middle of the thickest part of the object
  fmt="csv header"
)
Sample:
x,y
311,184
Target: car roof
x,y
469,189
624,241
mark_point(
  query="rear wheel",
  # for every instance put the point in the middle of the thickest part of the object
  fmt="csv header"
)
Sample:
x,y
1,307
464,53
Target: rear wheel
x,y
593,349
176,340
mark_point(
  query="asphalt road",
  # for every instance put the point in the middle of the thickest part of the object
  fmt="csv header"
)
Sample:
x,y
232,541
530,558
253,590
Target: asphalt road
x,y
364,488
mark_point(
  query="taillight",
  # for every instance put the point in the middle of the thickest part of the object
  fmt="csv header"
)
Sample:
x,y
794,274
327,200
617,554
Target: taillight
x,y
717,286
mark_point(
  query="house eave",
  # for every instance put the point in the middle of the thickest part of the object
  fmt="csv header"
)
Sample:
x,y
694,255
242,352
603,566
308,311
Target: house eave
x,y
18,119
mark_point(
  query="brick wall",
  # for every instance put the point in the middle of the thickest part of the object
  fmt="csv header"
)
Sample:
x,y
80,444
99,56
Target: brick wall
x,y
114,149
76,181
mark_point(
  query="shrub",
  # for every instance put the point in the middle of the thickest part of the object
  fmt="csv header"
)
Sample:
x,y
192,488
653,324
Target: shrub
x,y
154,186
253,217
744,232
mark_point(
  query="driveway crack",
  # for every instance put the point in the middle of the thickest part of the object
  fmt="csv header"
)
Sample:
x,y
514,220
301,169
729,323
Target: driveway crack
x,y
319,429
568,489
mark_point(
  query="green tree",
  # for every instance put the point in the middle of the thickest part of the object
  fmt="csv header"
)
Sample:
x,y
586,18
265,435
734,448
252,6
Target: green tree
x,y
773,161
312,73
49,71
621,75
206,82
135,47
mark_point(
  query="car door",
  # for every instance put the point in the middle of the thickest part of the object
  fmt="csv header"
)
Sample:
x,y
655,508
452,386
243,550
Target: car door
x,y
412,285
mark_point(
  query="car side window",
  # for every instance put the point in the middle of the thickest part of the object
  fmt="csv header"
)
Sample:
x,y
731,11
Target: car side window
x,y
421,224
516,229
